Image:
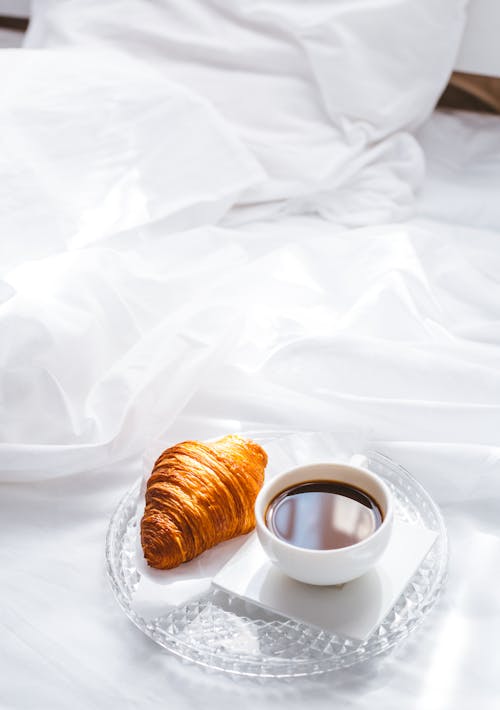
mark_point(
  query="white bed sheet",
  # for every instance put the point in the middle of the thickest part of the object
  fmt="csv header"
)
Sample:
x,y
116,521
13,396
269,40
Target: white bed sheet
x,y
389,332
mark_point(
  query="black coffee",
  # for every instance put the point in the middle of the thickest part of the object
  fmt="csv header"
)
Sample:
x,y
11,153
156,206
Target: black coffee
x,y
323,515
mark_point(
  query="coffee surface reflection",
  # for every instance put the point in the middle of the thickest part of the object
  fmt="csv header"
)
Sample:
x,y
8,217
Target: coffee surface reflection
x,y
323,515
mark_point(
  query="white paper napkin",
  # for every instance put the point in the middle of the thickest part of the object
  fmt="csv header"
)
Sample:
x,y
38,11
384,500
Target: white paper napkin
x,y
158,591
354,609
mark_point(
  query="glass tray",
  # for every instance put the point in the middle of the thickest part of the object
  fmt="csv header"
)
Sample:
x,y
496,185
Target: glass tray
x,y
226,633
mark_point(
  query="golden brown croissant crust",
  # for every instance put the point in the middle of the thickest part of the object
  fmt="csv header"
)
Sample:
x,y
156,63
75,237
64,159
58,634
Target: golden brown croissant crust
x,y
199,495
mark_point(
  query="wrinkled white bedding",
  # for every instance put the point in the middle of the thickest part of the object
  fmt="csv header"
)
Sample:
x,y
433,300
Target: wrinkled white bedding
x,y
324,95
204,326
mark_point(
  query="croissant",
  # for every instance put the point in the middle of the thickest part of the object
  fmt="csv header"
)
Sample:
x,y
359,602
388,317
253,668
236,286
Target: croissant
x,y
199,495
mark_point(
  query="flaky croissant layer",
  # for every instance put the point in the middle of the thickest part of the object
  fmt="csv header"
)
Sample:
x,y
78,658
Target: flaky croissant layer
x,y
199,495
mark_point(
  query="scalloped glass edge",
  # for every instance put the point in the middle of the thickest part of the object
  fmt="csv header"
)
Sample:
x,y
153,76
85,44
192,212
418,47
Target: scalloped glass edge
x,y
327,652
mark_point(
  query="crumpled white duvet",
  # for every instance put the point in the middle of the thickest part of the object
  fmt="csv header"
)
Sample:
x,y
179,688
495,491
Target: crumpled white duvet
x,y
93,146
323,94
388,332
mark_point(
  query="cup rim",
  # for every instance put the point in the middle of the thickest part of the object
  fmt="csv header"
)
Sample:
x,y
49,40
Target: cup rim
x,y
262,527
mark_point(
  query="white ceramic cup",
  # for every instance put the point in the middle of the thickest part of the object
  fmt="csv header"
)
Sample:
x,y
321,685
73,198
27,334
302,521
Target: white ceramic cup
x,y
326,566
